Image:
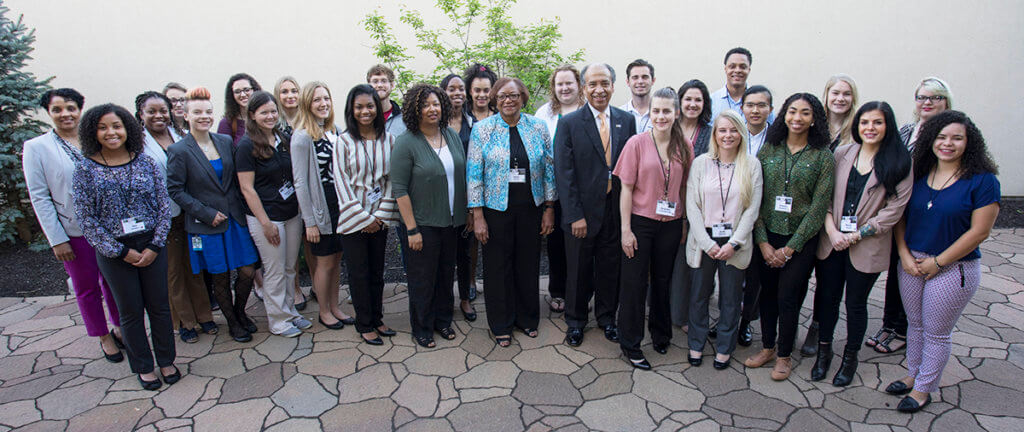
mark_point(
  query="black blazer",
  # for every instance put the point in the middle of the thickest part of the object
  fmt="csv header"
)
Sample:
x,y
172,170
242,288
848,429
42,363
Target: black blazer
x,y
194,186
581,173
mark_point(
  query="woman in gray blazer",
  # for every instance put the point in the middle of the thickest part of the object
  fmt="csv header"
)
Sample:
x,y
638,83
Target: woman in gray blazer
x,y
201,180
49,162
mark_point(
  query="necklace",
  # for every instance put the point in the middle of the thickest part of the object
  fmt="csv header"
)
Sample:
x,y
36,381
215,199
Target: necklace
x,y
935,192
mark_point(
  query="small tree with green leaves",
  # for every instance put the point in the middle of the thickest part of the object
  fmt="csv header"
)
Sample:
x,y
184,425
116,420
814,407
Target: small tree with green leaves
x,y
478,31
19,95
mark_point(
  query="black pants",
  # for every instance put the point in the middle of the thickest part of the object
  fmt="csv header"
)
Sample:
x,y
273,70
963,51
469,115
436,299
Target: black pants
x,y
655,255
141,293
782,293
431,270
835,271
512,268
593,268
894,316
751,289
556,257
464,247
364,258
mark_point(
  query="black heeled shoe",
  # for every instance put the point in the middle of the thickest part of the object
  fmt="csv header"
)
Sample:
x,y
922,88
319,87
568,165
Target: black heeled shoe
x,y
661,348
338,325
695,361
149,385
301,306
387,333
810,346
174,377
910,405
638,362
117,357
375,341
898,388
844,376
822,363
117,340
469,316
721,365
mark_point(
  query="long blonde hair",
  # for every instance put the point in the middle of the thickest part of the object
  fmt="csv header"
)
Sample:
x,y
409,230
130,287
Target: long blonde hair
x,y
306,120
282,121
844,130
742,159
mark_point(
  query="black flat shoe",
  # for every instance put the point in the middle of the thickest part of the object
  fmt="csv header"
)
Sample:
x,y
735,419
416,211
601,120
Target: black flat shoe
x,y
117,340
469,316
447,333
301,306
386,333
611,332
661,348
898,388
348,321
721,365
695,361
910,405
375,341
574,336
746,337
174,377
117,357
149,385
338,325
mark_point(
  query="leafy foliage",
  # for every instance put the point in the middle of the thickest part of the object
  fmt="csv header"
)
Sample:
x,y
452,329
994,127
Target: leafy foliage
x,y
528,52
19,93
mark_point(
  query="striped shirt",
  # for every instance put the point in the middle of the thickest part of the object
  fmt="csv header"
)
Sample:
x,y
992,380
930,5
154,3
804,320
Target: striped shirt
x,y
362,171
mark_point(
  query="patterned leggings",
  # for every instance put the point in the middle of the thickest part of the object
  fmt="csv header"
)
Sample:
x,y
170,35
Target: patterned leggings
x,y
933,307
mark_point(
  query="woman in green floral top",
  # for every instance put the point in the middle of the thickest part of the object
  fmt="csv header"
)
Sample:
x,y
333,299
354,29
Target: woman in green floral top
x,y
798,169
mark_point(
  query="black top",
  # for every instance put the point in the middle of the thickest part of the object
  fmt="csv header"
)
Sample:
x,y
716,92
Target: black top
x,y
270,175
464,132
518,193
854,189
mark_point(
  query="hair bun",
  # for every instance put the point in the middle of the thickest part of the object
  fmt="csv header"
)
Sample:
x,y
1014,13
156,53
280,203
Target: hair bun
x,y
198,93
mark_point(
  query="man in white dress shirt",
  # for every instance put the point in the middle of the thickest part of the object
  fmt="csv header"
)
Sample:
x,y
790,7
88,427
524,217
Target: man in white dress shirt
x,y
640,79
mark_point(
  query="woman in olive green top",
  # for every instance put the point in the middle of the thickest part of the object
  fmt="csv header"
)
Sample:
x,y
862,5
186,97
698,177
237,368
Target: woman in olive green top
x,y
428,179
798,169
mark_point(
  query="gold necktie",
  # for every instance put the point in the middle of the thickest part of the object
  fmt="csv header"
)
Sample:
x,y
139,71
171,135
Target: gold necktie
x,y
606,143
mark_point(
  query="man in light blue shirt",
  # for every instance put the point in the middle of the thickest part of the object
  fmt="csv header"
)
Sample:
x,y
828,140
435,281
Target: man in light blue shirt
x,y
730,96
640,79
757,107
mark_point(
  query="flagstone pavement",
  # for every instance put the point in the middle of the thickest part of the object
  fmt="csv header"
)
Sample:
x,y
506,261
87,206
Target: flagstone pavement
x,y
53,377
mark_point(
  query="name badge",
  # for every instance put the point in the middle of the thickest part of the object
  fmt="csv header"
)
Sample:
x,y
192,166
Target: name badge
x,y
721,230
517,175
848,224
784,204
287,190
132,225
375,195
197,243
666,208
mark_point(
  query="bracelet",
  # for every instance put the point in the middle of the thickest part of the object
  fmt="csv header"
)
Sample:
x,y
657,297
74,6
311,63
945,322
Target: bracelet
x,y
412,231
936,260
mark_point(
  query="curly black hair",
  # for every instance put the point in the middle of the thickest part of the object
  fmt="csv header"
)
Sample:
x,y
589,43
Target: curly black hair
x,y
705,113
413,103
231,109
141,100
66,93
817,135
976,158
89,125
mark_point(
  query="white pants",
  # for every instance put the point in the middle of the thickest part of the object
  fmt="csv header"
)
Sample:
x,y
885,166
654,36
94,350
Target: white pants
x,y
278,270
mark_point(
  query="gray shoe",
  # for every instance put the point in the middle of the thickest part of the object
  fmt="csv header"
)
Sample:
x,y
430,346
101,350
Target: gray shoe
x,y
291,332
302,323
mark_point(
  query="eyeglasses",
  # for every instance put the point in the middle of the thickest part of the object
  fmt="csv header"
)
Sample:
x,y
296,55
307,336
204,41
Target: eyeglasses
x,y
759,105
934,99
175,101
242,91
511,96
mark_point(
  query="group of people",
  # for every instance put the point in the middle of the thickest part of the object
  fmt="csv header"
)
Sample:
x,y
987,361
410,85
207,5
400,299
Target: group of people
x,y
641,207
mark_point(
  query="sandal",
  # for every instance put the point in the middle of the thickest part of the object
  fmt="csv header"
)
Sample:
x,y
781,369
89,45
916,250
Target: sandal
x,y
531,332
883,345
425,341
556,304
447,333
873,340
503,341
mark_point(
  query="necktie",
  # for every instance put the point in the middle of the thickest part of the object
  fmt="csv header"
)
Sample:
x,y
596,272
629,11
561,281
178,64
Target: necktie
x,y
606,143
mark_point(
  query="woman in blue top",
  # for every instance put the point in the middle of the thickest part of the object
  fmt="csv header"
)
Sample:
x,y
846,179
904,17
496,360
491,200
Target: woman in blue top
x,y
510,177
952,209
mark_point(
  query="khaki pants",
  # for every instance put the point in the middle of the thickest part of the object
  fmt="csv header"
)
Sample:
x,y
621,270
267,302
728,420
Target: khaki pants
x,y
278,270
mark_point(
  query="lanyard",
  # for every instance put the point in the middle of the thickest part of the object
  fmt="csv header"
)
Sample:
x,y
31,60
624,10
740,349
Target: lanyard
x,y
667,174
786,168
693,138
722,191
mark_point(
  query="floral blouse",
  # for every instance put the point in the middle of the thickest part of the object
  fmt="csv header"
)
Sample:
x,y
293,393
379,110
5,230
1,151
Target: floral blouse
x,y
487,165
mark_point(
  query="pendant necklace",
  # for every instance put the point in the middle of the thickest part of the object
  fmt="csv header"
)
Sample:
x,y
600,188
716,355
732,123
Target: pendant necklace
x,y
935,192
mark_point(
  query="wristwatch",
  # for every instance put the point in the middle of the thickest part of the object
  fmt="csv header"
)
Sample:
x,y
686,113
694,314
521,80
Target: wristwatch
x,y
735,246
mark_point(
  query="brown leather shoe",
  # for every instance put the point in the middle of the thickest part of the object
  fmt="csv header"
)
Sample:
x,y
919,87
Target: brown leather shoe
x,y
783,366
757,360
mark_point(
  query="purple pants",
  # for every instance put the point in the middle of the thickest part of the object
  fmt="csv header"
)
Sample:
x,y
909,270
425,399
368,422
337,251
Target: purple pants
x,y
933,307
90,289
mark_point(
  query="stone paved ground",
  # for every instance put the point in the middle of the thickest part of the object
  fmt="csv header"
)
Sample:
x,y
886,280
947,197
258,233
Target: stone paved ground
x,y
52,377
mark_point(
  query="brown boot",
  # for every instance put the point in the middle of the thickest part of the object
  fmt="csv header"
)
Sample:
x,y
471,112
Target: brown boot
x,y
757,360
783,366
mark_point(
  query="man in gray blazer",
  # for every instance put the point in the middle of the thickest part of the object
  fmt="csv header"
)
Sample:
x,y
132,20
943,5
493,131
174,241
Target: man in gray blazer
x,y
587,145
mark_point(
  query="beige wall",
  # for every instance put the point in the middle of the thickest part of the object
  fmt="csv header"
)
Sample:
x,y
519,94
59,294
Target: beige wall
x,y
113,49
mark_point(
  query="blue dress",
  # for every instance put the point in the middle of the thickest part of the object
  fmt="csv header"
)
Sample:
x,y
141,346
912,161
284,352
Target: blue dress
x,y
225,251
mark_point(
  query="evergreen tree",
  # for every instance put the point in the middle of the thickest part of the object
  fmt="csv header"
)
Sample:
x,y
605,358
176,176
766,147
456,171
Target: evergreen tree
x,y
19,95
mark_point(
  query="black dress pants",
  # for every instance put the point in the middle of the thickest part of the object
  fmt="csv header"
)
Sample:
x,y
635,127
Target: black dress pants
x,y
894,316
431,270
783,291
835,271
556,257
751,289
593,268
141,292
464,247
364,259
512,268
655,255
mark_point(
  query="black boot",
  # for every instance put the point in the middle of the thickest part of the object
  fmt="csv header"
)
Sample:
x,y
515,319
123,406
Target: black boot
x,y
222,289
824,361
847,370
243,286
811,343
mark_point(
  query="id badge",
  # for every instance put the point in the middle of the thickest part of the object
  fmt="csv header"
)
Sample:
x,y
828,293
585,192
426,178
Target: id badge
x,y
375,195
197,243
784,204
666,208
848,224
517,175
132,225
721,230
287,190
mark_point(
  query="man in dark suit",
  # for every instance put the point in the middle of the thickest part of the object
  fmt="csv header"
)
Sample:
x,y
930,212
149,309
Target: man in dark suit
x,y
587,145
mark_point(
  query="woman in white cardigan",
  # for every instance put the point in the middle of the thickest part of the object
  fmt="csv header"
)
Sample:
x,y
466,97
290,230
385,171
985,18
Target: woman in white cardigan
x,y
724,196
